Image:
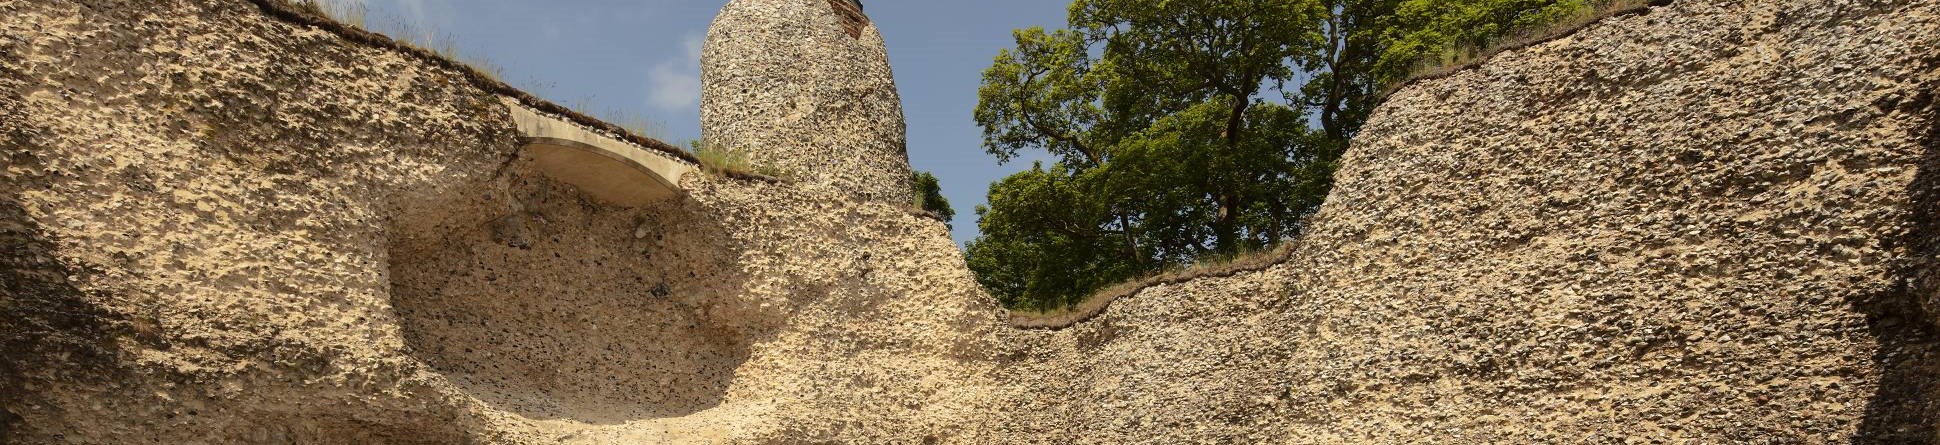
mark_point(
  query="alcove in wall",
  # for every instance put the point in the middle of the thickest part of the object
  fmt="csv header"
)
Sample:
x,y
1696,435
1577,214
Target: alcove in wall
x,y
539,300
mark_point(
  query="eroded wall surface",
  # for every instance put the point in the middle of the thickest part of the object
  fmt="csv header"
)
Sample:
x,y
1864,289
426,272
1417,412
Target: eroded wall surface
x,y
805,87
225,228
1692,225
205,193
1708,223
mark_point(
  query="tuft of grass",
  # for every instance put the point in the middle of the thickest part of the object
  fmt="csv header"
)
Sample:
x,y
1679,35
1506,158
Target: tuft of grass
x,y
1216,266
732,162
627,120
718,160
354,21
637,124
353,14
1458,58
722,161
404,32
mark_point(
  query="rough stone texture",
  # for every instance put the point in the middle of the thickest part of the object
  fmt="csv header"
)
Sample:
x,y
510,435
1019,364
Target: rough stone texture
x,y
1711,223
1687,226
223,228
785,83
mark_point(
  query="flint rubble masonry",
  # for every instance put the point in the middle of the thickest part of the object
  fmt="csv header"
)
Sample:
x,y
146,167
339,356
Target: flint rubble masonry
x,y
1705,223
805,86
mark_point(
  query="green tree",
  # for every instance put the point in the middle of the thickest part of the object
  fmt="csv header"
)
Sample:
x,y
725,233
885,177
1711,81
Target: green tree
x,y
1045,242
929,196
1437,31
1184,129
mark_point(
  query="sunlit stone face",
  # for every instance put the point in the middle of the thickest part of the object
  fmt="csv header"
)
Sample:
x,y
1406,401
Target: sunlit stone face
x,y
803,88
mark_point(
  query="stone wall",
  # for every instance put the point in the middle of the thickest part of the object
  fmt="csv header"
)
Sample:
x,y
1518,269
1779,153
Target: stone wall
x,y
1708,223
1695,225
222,226
210,191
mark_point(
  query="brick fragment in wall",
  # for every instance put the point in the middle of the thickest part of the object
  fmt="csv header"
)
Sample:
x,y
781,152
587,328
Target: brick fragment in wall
x,y
853,20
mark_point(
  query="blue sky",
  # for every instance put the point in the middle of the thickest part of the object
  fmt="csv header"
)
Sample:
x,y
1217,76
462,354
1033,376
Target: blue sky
x,y
638,60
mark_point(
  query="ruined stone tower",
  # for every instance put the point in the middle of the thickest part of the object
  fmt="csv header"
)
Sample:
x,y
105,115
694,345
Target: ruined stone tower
x,y
805,86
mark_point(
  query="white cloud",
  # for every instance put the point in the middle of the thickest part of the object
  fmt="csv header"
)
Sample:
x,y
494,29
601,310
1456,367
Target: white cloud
x,y
675,83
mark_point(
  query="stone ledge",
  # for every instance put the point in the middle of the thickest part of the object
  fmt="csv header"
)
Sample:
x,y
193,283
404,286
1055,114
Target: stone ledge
x,y
601,166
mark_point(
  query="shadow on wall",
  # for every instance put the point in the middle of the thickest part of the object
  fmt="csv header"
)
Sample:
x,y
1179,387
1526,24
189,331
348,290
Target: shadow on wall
x,y
49,326
535,300
66,358
1906,410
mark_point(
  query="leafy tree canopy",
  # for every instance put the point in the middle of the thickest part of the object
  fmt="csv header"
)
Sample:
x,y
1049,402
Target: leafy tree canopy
x,y
1179,130
929,196
1434,31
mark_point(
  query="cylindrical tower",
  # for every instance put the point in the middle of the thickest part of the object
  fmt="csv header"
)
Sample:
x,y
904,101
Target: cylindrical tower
x,y
805,86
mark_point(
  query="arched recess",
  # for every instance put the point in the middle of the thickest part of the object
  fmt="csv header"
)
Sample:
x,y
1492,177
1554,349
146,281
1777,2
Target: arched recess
x,y
601,166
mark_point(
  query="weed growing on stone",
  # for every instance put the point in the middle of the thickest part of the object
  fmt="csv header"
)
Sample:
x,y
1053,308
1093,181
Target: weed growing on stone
x,y
1215,266
352,14
1459,58
720,160
443,45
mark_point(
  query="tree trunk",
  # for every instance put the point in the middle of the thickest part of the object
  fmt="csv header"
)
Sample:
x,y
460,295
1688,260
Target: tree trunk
x,y
1227,226
1131,241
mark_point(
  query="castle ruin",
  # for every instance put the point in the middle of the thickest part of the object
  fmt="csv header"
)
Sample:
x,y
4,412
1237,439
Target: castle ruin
x,y
805,86
239,221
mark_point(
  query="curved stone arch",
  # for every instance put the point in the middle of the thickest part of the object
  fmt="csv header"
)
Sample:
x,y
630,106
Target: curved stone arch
x,y
601,166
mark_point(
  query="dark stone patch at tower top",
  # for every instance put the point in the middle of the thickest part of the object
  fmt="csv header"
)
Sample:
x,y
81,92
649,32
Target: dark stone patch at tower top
x,y
852,18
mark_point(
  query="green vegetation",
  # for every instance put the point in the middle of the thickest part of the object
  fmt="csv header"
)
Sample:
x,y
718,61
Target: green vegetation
x,y
1180,132
443,45
1213,266
928,193
353,14
727,161
718,160
1426,33
627,120
1455,38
